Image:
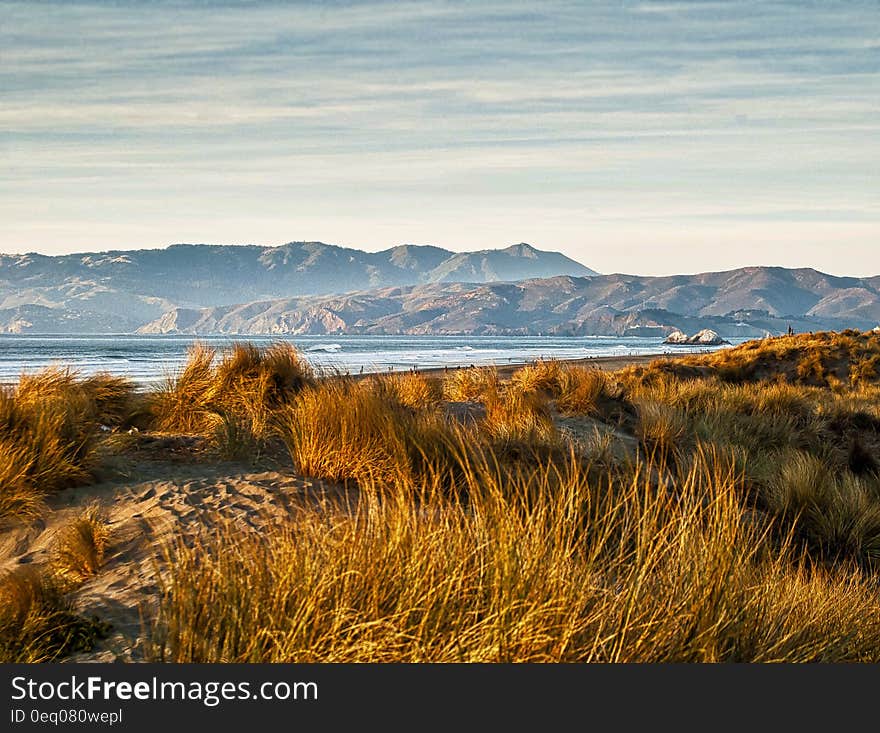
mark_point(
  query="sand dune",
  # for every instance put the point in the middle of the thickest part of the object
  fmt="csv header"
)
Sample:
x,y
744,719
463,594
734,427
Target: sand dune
x,y
146,506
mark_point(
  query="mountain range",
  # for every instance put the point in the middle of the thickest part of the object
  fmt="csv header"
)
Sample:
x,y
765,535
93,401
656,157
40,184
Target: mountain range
x,y
311,287
130,288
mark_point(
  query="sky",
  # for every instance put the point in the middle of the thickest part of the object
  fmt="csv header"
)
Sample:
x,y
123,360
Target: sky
x,y
642,137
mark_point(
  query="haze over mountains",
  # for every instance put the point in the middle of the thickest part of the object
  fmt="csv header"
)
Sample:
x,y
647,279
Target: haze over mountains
x,y
311,287
135,287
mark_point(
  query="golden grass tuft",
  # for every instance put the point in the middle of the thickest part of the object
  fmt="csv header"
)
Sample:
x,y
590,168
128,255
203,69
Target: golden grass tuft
x,y
836,515
409,389
101,398
37,623
184,402
584,390
544,375
661,427
81,545
470,384
232,397
517,417
48,430
550,565
344,429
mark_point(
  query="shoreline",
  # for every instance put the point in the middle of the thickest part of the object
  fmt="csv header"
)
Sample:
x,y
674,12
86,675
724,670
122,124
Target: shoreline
x,y
505,370
605,363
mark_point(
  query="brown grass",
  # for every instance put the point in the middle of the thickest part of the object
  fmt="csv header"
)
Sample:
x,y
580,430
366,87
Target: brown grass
x,y
48,429
544,566
37,623
184,403
517,417
545,375
740,521
583,391
470,384
232,397
661,427
343,429
819,360
81,545
409,389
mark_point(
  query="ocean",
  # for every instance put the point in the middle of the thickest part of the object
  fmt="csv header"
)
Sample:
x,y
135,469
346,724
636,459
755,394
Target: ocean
x,y
149,359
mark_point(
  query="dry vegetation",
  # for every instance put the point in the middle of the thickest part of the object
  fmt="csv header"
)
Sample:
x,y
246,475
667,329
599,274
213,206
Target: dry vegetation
x,y
232,398
38,622
81,545
48,432
713,508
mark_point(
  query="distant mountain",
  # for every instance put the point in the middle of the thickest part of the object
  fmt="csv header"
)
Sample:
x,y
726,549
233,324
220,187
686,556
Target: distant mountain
x,y
144,284
311,287
40,319
747,302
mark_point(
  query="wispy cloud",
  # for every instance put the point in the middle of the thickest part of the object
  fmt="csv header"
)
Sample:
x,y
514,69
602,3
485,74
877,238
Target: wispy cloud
x,y
132,124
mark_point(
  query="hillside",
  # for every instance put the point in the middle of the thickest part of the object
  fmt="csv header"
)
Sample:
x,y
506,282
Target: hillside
x,y
144,284
311,287
741,303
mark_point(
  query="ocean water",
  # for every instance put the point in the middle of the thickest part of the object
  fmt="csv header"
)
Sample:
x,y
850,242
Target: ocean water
x,y
148,359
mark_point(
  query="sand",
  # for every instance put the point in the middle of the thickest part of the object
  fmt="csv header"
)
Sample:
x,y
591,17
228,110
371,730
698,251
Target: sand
x,y
147,502
605,363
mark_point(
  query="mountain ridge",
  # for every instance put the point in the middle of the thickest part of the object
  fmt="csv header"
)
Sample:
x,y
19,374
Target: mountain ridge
x,y
153,281
747,302
313,287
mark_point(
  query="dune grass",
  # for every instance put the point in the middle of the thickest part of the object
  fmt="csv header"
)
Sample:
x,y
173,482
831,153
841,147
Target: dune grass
x,y
81,545
469,384
825,359
343,429
231,396
409,389
38,622
37,619
515,417
743,528
551,565
48,430
726,508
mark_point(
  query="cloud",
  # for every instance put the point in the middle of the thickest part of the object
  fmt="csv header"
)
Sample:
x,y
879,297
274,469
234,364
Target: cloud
x,y
685,114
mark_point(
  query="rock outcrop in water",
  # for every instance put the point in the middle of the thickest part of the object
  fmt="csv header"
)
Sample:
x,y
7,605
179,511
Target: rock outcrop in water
x,y
706,337
676,338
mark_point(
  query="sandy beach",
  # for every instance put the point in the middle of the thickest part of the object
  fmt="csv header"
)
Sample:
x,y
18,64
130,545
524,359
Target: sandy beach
x,y
605,363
